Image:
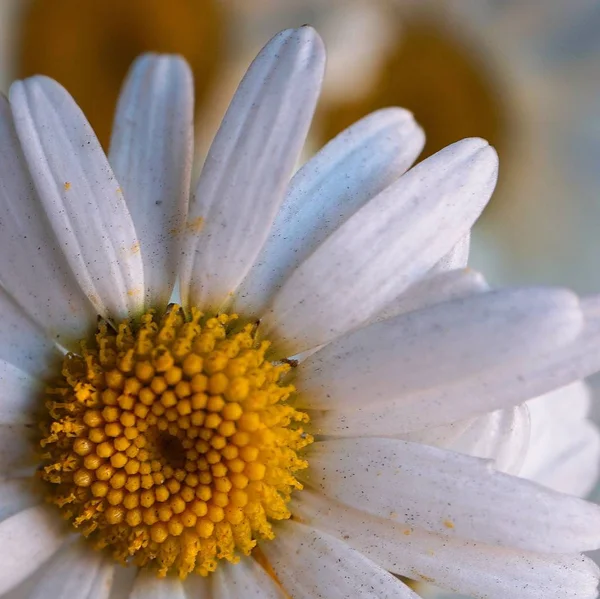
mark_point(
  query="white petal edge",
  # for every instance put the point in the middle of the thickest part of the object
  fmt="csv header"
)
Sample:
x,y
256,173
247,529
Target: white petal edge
x,y
511,383
350,170
245,579
452,494
148,586
431,349
435,289
249,166
29,539
33,268
457,257
311,564
501,436
151,154
81,196
463,566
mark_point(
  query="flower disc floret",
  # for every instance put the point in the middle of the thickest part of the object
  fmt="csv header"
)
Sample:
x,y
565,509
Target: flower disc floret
x,y
170,443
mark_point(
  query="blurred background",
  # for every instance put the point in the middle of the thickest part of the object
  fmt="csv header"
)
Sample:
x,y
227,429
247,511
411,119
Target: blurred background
x,y
525,74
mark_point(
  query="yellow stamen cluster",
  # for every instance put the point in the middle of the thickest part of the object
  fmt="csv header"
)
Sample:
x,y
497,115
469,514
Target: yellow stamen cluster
x,y
171,443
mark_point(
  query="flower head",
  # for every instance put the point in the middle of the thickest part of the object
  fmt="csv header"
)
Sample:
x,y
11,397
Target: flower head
x,y
282,431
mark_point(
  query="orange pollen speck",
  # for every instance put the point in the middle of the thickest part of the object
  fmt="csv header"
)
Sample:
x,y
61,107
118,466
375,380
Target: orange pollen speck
x,y
170,442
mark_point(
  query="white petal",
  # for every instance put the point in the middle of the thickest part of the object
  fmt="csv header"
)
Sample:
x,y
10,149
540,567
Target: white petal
x,y
469,568
102,587
22,342
21,395
81,197
17,494
457,257
450,493
151,155
249,165
311,564
390,243
29,538
350,170
577,360
429,350
435,289
575,469
33,268
564,451
501,436
550,365
245,579
17,449
53,581
572,402
439,436
77,572
148,586
122,583
198,587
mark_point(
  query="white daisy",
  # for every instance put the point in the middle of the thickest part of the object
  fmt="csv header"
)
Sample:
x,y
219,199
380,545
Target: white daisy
x,y
176,439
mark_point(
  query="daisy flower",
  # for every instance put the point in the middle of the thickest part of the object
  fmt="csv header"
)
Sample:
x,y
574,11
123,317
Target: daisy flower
x,y
274,434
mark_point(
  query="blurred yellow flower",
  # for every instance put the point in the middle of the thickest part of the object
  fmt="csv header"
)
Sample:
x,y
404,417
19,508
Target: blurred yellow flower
x,y
89,46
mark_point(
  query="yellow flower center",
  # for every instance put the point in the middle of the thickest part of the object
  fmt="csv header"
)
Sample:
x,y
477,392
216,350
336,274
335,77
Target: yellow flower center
x,y
170,443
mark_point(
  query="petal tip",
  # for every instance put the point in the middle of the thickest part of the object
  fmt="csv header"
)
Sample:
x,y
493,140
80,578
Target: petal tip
x,y
306,34
478,151
472,144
